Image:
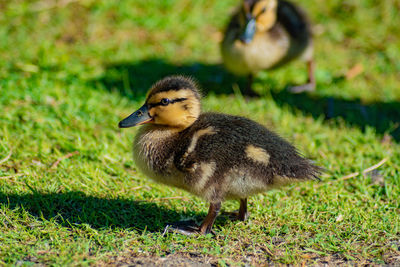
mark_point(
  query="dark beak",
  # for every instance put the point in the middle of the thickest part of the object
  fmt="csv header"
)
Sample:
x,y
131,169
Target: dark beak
x,y
249,31
138,117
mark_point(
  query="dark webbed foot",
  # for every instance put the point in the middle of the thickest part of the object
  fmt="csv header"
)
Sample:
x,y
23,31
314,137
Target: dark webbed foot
x,y
190,227
308,87
248,92
183,227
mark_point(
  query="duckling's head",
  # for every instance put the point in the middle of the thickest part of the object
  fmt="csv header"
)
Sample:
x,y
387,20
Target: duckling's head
x,y
256,16
172,102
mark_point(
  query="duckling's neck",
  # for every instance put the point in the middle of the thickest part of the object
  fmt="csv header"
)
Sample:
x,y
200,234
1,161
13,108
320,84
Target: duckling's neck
x,y
153,147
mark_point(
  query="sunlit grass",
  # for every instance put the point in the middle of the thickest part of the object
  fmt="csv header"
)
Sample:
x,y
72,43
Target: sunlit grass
x,y
70,71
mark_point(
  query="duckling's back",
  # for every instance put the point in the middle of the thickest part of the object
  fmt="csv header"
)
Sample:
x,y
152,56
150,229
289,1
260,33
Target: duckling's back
x,y
233,157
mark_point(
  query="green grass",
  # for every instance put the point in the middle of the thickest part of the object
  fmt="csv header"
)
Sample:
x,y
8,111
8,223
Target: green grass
x,y
69,71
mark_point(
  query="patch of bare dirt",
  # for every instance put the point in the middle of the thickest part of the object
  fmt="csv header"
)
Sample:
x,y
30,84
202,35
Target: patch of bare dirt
x,y
164,262
181,260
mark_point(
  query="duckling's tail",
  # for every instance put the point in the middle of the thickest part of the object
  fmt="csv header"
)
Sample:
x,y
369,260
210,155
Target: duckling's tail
x,y
314,171
304,169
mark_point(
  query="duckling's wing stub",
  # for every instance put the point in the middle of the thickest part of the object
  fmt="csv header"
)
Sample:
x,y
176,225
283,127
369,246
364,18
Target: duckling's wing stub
x,y
239,143
294,19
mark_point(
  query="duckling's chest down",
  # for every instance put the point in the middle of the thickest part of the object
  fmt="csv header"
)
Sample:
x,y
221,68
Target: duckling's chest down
x,y
153,153
172,158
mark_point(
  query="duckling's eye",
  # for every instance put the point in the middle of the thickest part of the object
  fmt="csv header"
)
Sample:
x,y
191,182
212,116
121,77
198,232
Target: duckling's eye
x,y
165,101
261,12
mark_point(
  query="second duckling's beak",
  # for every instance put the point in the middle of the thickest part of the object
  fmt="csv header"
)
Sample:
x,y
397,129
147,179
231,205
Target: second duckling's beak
x,y
141,116
249,31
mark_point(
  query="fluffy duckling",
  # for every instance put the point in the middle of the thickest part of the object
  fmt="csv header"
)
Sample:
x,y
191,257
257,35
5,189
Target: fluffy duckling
x,y
214,156
265,34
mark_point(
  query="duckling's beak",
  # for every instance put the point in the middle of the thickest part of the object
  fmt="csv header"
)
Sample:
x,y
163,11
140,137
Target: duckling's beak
x,y
140,116
249,31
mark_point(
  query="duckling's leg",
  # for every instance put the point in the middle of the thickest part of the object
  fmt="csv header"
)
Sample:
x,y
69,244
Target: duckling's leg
x,y
240,215
249,87
243,214
208,222
310,85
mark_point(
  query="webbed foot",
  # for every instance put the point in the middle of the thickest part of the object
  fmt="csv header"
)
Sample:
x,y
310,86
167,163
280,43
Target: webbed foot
x,y
308,87
249,92
183,227
190,227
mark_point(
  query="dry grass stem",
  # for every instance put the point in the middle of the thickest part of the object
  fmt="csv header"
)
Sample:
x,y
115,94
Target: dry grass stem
x,y
12,176
354,174
6,158
55,164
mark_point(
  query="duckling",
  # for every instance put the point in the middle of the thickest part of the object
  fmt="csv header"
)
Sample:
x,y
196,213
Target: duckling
x,y
266,34
211,155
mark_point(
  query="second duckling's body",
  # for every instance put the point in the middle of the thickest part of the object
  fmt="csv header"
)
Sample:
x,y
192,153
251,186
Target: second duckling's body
x,y
265,34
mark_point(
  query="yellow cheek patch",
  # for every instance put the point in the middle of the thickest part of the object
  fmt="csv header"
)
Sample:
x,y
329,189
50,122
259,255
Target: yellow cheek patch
x,y
171,113
257,154
180,114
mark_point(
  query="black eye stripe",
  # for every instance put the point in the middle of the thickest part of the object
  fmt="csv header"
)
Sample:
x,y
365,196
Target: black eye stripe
x,y
178,100
261,12
170,102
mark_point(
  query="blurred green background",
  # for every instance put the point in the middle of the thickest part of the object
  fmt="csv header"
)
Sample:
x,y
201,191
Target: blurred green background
x,y
69,192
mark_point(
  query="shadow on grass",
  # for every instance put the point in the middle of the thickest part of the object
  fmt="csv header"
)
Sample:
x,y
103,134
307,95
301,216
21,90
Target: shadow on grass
x,y
384,117
76,208
133,79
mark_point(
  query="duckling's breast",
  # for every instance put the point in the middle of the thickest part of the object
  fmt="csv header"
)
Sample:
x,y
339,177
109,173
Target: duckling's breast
x,y
265,51
153,154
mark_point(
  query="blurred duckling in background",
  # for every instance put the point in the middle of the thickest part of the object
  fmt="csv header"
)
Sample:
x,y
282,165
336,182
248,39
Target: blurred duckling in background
x,y
265,34
214,156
